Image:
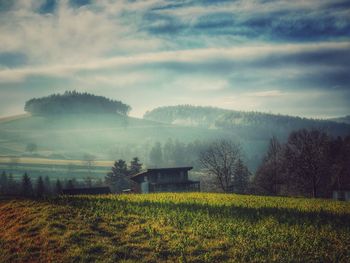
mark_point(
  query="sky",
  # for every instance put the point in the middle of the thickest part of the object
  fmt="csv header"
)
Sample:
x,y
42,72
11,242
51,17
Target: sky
x,y
285,57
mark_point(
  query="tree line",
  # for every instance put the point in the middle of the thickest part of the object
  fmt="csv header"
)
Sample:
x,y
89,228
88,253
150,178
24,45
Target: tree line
x,y
75,102
175,153
41,186
310,163
244,124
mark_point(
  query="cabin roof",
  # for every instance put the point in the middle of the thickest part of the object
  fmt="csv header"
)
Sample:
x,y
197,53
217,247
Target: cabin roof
x,y
86,191
184,168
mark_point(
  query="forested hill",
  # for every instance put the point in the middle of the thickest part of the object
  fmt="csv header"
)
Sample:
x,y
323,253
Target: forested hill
x,y
75,102
246,124
345,119
186,115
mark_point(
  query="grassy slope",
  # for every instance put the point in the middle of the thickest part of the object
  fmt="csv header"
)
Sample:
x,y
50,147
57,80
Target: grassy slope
x,y
194,227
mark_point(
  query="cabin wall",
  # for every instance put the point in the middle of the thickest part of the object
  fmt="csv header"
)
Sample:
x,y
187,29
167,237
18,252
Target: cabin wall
x,y
168,176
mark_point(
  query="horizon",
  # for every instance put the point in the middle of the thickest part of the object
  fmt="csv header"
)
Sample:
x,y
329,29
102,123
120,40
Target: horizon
x,y
288,58
18,114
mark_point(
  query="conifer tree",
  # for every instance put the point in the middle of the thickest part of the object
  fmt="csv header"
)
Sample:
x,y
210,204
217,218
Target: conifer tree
x,y
58,187
3,183
40,187
27,187
135,166
12,186
117,178
47,184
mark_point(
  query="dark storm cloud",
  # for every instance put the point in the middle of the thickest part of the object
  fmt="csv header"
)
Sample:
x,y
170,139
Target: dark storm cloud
x,y
297,24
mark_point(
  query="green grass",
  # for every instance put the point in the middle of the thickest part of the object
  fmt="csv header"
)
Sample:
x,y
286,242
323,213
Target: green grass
x,y
193,227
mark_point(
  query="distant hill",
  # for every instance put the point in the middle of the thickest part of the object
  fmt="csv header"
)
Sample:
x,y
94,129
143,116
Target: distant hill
x,y
345,119
245,124
75,102
107,136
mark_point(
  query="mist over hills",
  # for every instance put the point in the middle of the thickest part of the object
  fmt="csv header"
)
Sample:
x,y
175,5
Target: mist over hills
x,y
108,133
248,125
345,119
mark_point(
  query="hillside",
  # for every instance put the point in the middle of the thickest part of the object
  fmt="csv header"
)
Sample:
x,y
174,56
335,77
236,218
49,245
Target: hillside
x,y
75,102
345,119
194,227
247,125
107,136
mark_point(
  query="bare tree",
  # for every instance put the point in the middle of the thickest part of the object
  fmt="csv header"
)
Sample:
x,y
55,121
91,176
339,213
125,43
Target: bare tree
x,y
307,160
268,178
220,160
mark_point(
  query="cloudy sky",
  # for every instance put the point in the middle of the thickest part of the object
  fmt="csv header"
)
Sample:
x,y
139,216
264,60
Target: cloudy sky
x,y
289,57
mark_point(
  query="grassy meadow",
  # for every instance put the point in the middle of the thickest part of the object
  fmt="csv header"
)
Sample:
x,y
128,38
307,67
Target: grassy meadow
x,y
169,227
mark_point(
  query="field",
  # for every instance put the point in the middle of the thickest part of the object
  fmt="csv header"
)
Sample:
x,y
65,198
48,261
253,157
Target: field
x,y
54,168
191,227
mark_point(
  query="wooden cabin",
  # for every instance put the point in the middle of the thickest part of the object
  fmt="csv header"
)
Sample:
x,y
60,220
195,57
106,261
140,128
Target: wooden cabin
x,y
173,179
87,191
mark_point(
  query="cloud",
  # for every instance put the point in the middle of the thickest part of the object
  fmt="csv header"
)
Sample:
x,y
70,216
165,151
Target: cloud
x,y
255,52
215,60
266,93
64,34
279,20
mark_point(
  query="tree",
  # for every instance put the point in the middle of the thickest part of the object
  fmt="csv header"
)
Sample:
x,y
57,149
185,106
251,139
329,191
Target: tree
x,y
70,184
58,187
179,153
47,184
268,177
40,187
135,166
12,185
168,152
240,178
156,155
340,158
307,161
220,160
3,183
117,178
27,187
